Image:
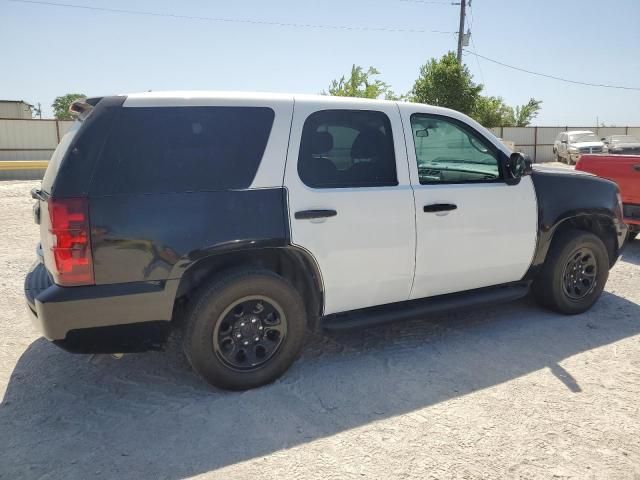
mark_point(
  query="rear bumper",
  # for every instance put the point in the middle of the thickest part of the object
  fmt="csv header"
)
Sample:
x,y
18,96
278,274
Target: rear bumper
x,y
100,318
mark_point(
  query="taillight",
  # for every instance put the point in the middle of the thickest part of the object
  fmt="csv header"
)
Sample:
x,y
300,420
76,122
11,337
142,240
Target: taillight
x,y
71,242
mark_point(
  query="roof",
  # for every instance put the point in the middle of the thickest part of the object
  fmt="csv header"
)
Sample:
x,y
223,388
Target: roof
x,y
574,132
16,101
195,95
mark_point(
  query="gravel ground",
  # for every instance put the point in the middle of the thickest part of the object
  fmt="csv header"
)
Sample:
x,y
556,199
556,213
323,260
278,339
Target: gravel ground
x,y
510,391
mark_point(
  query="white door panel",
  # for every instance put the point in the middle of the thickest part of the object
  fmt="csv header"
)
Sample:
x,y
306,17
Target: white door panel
x,y
366,252
488,240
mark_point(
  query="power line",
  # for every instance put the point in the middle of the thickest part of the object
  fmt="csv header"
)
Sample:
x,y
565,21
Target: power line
x,y
230,20
552,76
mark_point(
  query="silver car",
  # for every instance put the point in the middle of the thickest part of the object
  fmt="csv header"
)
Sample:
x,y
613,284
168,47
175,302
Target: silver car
x,y
622,144
568,146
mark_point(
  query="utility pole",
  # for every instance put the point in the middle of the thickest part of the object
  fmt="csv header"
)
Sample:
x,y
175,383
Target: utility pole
x,y
463,4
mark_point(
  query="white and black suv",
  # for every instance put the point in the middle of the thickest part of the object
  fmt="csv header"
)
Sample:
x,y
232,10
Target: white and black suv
x,y
246,219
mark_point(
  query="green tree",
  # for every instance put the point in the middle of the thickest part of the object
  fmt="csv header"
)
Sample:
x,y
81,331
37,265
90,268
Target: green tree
x,y
61,105
523,114
492,112
360,84
446,83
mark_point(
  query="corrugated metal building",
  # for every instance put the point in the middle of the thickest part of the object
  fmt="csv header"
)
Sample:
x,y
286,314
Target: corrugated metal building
x,y
15,109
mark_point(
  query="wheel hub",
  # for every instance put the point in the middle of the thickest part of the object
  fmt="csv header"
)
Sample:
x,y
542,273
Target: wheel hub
x,y
579,277
248,328
249,332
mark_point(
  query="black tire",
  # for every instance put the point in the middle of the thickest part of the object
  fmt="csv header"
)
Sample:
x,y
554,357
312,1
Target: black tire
x,y
631,236
213,314
553,289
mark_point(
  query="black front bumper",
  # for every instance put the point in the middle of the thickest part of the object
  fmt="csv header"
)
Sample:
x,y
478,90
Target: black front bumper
x,y
115,318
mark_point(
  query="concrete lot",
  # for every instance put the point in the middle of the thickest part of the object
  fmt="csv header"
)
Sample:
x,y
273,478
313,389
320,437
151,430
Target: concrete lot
x,y
510,391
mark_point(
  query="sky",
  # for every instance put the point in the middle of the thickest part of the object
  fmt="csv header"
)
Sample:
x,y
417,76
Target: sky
x,y
49,51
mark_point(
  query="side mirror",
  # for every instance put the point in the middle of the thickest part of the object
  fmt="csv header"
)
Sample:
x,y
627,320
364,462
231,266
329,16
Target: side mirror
x,y
518,166
422,133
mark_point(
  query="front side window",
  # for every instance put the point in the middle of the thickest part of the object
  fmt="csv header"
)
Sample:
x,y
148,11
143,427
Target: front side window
x,y
347,148
449,152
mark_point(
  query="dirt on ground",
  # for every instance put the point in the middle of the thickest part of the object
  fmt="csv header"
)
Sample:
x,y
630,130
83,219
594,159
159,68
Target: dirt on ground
x,y
510,391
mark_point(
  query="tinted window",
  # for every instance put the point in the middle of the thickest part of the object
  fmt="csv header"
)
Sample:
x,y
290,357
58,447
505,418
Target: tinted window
x,y
347,148
179,149
449,152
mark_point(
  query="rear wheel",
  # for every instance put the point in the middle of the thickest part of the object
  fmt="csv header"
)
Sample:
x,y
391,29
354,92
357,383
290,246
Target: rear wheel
x,y
245,330
574,273
632,236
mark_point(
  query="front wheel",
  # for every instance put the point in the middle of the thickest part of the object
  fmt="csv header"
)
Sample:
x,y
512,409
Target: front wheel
x,y
574,273
245,330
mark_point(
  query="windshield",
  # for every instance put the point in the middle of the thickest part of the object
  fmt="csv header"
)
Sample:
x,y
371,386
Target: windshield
x,y
583,137
58,155
624,139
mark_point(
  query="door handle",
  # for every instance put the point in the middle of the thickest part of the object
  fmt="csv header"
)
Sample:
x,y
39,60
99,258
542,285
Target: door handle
x,y
637,167
310,214
439,207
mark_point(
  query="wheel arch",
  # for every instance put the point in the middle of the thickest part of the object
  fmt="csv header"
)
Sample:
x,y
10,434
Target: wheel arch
x,y
601,225
292,263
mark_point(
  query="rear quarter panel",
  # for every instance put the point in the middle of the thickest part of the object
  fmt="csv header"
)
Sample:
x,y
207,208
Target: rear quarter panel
x,y
157,237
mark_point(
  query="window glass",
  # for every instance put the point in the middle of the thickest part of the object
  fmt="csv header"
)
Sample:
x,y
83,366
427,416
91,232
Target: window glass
x,y
447,152
347,148
180,149
583,137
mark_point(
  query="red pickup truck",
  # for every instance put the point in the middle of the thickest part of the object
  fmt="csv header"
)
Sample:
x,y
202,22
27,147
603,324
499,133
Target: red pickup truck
x,y
625,171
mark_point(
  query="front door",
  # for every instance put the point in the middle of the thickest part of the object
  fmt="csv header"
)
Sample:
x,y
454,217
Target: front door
x,y
473,230
350,200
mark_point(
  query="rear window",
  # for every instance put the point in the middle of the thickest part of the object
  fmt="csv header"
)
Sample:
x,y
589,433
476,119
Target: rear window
x,y
59,153
181,149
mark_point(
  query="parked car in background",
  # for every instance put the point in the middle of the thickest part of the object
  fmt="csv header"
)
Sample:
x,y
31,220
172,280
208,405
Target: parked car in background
x,y
622,144
568,146
625,171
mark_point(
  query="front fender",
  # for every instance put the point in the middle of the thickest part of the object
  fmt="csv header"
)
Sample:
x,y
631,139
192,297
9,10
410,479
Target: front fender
x,y
567,197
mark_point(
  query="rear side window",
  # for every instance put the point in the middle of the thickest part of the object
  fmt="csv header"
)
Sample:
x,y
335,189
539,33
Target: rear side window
x,y
347,148
181,149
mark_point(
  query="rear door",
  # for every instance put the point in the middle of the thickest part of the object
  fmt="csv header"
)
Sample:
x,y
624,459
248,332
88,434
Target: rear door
x,y
350,200
473,229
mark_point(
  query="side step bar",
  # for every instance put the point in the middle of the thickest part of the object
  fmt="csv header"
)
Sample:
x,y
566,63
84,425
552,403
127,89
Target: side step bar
x,y
418,308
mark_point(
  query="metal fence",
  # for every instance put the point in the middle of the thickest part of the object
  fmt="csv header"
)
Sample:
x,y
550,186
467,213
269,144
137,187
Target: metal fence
x,y
537,142
26,139
30,143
